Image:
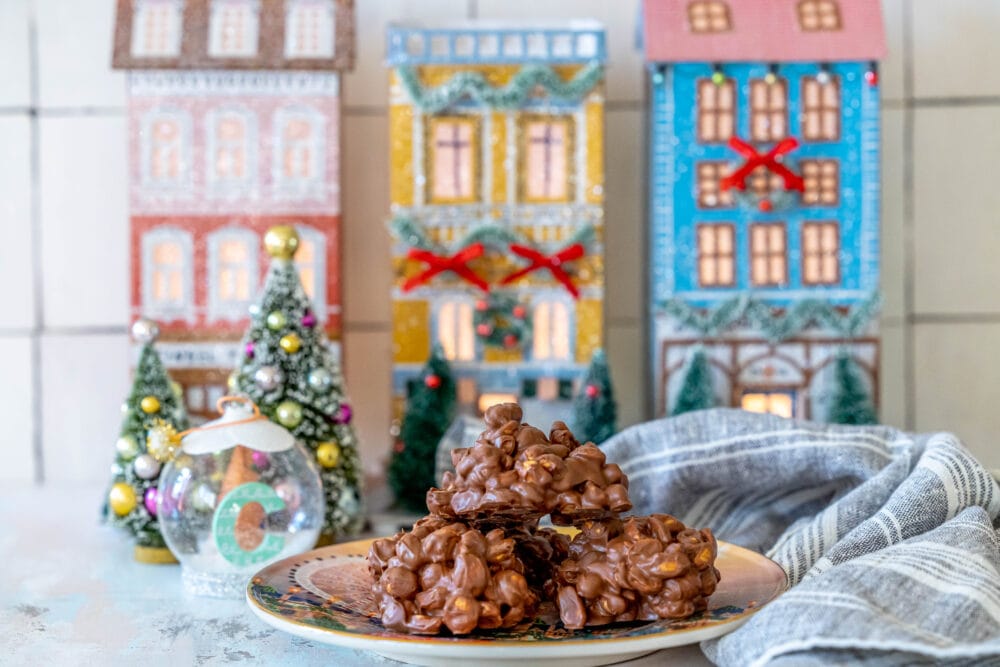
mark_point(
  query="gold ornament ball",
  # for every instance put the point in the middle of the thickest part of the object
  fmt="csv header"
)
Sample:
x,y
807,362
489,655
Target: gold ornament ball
x,y
281,242
276,320
328,454
290,343
121,498
150,404
289,414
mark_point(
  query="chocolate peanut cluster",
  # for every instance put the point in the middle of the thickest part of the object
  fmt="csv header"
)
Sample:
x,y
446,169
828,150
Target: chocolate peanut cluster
x,y
480,561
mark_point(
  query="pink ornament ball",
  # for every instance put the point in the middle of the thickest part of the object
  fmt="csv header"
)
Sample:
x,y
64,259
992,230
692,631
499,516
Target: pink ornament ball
x,y
260,460
248,350
149,500
592,391
346,413
308,320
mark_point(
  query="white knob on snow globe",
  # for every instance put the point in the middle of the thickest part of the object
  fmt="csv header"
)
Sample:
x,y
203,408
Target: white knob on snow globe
x,y
241,493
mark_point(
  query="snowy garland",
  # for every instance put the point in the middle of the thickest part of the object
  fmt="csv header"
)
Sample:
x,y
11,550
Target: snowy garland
x,y
511,96
776,326
495,236
502,321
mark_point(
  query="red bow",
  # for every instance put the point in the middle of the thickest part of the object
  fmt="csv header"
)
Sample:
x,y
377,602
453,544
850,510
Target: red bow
x,y
738,179
456,263
551,262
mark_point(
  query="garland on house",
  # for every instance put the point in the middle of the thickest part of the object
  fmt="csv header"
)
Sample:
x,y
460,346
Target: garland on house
x,y
510,96
500,320
774,324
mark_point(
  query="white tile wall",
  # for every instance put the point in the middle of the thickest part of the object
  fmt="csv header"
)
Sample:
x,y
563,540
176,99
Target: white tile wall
x,y
60,102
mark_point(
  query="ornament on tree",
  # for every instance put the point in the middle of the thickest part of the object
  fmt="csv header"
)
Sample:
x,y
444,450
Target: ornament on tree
x,y
501,321
152,415
430,410
595,412
308,396
328,454
248,349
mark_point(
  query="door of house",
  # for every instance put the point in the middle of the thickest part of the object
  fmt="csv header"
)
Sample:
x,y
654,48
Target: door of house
x,y
780,401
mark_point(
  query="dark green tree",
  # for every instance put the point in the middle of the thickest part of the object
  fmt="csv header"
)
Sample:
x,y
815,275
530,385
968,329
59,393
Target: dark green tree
x,y
850,402
430,410
289,371
595,413
152,405
696,392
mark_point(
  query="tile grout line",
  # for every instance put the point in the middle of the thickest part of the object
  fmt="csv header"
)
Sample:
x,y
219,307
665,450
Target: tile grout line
x,y
909,300
38,296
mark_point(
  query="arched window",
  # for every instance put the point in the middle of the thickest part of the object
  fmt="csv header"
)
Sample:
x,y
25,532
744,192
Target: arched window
x,y
819,15
299,158
708,16
234,26
311,263
309,28
551,331
167,274
231,154
156,28
166,148
232,272
454,330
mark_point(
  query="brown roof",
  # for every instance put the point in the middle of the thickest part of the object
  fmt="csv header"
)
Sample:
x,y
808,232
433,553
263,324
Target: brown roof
x,y
271,45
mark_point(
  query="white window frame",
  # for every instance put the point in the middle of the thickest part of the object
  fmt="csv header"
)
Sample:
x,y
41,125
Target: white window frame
x,y
318,241
543,334
297,11
171,39
231,310
217,47
223,185
168,311
292,187
184,175
464,347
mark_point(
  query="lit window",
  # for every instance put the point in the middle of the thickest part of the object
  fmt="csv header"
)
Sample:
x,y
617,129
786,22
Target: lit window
x,y
820,109
309,28
167,273
230,151
233,28
819,15
310,260
779,403
233,272
708,16
166,145
550,331
452,145
710,193
768,263
299,155
820,253
454,331
762,182
547,154
486,401
768,109
716,258
156,28
716,110
821,182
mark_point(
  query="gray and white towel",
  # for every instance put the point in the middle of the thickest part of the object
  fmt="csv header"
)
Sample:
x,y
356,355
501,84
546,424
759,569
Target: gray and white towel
x,y
887,538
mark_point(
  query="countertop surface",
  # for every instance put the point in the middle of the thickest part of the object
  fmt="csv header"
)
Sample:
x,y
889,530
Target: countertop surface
x,y
75,596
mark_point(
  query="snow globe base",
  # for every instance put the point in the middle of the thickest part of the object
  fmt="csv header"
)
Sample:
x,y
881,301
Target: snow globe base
x,y
154,555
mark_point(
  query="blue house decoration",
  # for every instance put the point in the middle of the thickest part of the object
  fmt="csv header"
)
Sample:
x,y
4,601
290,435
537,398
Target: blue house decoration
x,y
764,196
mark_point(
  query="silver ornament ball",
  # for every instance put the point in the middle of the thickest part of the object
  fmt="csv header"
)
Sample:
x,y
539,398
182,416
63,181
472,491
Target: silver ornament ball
x,y
127,447
320,379
146,467
268,377
145,330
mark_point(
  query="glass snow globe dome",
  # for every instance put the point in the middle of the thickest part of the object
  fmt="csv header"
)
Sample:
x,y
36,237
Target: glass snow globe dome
x,y
240,493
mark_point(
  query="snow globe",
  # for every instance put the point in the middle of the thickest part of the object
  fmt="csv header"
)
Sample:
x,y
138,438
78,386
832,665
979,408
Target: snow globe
x,y
240,493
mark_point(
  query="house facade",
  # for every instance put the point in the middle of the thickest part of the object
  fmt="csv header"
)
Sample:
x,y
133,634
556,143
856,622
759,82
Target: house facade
x,y
234,127
764,196
497,190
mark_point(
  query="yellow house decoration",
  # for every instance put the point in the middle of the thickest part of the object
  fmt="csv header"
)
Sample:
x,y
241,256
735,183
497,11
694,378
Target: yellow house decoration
x,y
497,188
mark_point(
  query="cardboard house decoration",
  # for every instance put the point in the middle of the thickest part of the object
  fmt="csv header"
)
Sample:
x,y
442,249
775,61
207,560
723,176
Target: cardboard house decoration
x,y
497,189
764,187
233,128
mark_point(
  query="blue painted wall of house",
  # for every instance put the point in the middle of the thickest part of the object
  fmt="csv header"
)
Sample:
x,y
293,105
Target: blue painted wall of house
x,y
675,152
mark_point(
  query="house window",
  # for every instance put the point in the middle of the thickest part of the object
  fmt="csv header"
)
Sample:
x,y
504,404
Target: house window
x,y
768,110
710,193
820,253
166,148
299,156
821,182
310,260
819,15
716,110
166,273
454,331
768,254
708,16
762,182
156,28
233,28
779,403
453,152
550,331
820,109
716,258
309,28
547,152
232,278
231,140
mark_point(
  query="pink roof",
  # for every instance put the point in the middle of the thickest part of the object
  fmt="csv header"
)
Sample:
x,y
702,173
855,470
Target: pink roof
x,y
762,30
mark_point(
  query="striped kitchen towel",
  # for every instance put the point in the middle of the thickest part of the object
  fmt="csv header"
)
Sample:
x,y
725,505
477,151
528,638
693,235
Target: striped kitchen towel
x,y
887,538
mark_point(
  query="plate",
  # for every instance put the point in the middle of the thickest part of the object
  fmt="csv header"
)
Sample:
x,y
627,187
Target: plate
x,y
325,596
